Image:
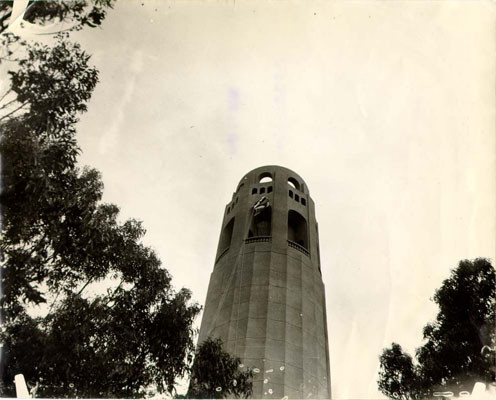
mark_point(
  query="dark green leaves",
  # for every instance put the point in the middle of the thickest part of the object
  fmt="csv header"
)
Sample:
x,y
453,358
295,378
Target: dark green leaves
x,y
60,243
109,346
54,83
78,13
397,376
217,375
460,343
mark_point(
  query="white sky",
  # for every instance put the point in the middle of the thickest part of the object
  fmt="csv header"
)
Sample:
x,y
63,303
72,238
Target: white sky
x,y
386,109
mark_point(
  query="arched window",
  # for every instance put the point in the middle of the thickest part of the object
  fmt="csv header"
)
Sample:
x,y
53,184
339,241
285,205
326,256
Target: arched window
x,y
303,201
262,190
297,198
269,189
254,191
225,238
294,183
261,223
297,229
265,177
291,193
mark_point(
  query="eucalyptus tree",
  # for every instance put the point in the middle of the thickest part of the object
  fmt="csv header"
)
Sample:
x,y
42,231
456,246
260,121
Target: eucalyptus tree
x,y
460,344
218,375
60,242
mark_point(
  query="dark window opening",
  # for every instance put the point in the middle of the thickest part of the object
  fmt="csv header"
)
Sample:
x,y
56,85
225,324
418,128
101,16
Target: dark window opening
x,y
228,210
294,183
297,198
297,229
254,191
291,193
303,201
225,238
261,223
262,190
265,177
269,189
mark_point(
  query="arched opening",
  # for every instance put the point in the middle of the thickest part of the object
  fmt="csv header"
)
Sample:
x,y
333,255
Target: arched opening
x,y
261,222
297,229
225,238
294,183
262,190
265,177
254,191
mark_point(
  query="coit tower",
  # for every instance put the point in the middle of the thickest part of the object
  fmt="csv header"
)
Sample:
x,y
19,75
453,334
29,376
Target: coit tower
x,y
266,297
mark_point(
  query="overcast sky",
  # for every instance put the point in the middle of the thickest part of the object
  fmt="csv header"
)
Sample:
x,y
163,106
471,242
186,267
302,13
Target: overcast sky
x,y
386,109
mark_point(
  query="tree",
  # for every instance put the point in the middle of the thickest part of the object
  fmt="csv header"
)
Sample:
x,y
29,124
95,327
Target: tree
x,y
79,12
59,241
217,375
39,152
397,377
108,346
460,344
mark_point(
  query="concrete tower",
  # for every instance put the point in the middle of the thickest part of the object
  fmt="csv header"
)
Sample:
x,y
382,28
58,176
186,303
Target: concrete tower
x,y
266,297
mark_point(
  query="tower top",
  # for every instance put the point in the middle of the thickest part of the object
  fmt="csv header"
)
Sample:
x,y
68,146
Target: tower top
x,y
274,172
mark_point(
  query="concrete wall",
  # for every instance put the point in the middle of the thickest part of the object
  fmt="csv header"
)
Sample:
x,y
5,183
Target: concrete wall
x,y
266,299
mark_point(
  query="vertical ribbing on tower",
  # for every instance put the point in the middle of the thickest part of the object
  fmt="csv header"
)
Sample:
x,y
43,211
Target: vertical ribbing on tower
x,y
266,298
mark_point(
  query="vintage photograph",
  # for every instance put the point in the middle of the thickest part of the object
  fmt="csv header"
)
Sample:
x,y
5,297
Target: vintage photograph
x,y
248,199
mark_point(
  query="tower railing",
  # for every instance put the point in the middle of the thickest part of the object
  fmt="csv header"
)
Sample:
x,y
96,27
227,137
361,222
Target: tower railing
x,y
258,239
298,247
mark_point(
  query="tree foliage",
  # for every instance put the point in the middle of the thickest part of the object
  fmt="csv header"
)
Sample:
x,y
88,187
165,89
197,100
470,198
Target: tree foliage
x,y
59,240
459,347
114,345
46,201
217,375
397,376
78,12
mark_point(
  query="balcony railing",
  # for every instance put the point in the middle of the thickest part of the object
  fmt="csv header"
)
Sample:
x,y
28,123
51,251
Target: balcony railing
x,y
258,239
298,247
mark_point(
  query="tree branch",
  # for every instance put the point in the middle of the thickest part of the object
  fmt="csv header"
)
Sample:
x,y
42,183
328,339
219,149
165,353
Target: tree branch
x,y
3,19
7,104
54,301
12,112
114,292
5,94
84,287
